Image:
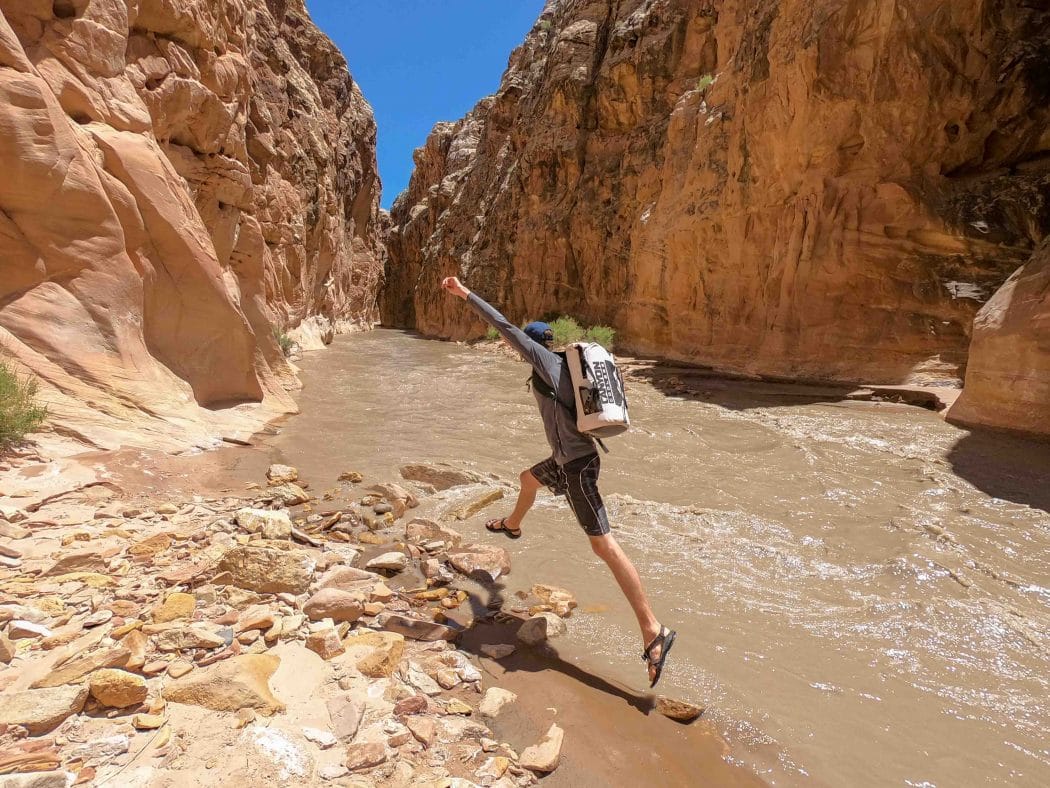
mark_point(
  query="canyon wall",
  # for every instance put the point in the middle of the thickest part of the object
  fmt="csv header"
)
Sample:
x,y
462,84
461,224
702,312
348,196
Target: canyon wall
x,y
181,179
806,189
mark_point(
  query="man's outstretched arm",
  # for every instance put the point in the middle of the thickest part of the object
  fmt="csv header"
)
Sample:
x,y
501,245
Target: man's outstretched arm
x,y
546,363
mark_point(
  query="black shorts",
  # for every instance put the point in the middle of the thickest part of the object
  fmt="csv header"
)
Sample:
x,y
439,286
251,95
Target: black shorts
x,y
578,482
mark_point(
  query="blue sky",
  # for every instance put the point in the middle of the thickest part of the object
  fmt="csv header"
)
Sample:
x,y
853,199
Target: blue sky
x,y
421,61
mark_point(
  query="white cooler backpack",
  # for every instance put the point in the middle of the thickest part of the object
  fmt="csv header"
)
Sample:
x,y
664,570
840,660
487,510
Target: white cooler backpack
x,y
601,404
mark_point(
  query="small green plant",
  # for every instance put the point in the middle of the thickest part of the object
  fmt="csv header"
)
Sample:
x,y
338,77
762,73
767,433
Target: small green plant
x,y
566,330
544,24
285,341
19,412
492,334
603,335
706,81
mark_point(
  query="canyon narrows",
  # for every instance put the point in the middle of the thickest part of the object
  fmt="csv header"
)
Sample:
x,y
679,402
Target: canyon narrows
x,y
803,190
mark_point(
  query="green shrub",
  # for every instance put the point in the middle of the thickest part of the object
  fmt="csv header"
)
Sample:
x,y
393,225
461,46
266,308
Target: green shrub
x,y
706,81
566,330
285,341
603,335
492,334
19,412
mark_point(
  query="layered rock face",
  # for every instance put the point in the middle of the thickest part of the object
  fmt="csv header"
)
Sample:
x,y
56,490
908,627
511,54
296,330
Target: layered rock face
x,y
795,188
1008,375
179,177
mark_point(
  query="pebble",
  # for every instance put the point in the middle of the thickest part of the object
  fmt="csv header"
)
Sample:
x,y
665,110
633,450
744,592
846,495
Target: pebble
x,y
392,561
678,709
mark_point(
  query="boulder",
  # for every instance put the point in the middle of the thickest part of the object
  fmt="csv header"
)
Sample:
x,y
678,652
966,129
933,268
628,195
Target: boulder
x,y
41,710
540,628
334,604
269,571
240,682
269,524
545,756
117,689
288,494
482,562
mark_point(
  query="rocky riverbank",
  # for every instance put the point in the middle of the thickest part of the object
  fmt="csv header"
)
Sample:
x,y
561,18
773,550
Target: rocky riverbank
x,y
283,635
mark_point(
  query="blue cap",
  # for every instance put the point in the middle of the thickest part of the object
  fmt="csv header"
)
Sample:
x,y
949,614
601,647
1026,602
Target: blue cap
x,y
541,333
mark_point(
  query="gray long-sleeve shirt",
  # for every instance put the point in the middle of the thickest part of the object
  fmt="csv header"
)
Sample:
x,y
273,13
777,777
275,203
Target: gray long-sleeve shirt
x,y
567,442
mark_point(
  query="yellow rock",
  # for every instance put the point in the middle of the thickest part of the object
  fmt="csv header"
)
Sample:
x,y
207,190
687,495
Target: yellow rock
x,y
475,506
157,543
92,579
176,606
147,722
387,650
125,628
236,683
117,689
455,706
434,594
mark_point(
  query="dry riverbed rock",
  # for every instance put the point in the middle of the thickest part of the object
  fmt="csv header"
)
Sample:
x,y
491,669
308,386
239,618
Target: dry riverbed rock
x,y
483,562
334,604
545,756
269,524
41,710
540,628
269,571
117,689
678,709
237,683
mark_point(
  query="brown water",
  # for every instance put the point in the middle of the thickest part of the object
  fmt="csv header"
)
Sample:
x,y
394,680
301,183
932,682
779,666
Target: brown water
x,y
861,591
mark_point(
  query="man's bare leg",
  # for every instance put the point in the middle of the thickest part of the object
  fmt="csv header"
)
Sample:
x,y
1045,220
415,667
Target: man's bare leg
x,y
609,550
530,485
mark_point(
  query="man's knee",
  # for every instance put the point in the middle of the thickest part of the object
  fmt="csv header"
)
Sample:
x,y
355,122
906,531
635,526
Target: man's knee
x,y
528,481
603,546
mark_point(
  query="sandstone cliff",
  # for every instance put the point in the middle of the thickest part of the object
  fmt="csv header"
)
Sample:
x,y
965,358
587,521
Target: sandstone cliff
x,y
825,189
179,177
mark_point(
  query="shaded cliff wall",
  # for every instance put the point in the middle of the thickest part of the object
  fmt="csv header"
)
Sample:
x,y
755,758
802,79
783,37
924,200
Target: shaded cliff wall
x,y
179,176
822,189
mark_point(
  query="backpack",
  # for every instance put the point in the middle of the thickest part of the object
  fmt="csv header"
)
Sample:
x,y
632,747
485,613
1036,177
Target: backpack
x,y
600,406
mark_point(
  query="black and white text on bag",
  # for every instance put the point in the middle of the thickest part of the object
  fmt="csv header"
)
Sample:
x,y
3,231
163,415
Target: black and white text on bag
x,y
601,404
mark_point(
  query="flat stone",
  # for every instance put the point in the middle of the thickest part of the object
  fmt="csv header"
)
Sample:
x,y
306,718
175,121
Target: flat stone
x,y
678,709
57,779
494,701
394,561
456,706
483,562
147,722
345,716
183,638
365,756
279,474
259,617
78,667
414,704
545,756
441,475
152,545
421,530
269,524
117,689
27,630
269,571
7,649
174,607
42,710
424,729
387,649
418,678
471,508
497,650
540,628
323,739
79,561
416,629
240,682
325,643
347,578
493,768
335,604
179,668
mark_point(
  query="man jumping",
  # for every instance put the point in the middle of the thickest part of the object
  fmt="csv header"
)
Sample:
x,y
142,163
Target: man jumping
x,y
572,469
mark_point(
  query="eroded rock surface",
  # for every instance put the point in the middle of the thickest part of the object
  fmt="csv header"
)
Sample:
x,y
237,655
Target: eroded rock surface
x,y
178,180
799,189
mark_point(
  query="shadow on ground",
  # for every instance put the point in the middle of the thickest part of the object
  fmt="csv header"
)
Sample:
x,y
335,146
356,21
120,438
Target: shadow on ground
x,y
1005,466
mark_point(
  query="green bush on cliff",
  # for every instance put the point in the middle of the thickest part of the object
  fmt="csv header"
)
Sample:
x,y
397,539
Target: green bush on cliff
x,y
492,334
285,341
19,412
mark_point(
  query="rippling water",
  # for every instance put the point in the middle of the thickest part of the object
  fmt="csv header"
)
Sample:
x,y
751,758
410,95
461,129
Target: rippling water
x,y
862,592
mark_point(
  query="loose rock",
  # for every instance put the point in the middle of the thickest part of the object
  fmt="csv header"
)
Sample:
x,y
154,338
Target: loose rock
x,y
387,650
176,606
495,699
540,628
270,524
394,561
545,756
237,683
334,604
365,756
41,710
678,709
269,571
486,563
279,474
117,689
325,643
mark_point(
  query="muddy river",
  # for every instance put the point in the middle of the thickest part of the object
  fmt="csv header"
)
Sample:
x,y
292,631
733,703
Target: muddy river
x,y
861,591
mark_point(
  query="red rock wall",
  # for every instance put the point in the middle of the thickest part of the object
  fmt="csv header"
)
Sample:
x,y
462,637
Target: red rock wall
x,y
179,176
813,189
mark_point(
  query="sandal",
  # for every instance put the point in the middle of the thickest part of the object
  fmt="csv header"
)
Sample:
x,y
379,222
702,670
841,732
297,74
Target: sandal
x,y
499,525
665,639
